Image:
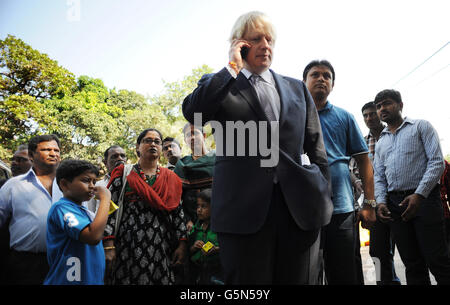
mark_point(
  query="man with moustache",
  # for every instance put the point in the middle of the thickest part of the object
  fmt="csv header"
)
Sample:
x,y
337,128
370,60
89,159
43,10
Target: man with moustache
x,y
171,151
113,157
408,166
343,140
381,242
21,162
26,200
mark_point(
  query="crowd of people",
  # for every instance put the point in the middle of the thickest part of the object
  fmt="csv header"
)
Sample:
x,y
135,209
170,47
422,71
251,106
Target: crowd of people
x,y
229,218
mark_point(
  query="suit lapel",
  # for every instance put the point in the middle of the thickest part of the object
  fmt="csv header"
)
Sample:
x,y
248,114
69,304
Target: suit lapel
x,y
248,92
283,90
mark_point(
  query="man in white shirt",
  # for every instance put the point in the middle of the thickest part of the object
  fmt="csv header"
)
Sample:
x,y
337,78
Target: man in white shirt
x,y
25,201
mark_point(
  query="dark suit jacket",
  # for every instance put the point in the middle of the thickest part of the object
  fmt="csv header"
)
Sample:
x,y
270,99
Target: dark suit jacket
x,y
242,188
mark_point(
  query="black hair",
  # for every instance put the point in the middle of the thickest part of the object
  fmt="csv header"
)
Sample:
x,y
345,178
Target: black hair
x,y
33,143
170,139
205,195
388,93
71,168
368,105
105,154
142,134
316,63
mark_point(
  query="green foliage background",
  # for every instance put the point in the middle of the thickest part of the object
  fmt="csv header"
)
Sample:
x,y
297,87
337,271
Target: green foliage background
x,y
38,96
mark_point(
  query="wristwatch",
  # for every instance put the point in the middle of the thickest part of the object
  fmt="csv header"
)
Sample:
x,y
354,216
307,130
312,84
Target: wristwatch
x,y
370,202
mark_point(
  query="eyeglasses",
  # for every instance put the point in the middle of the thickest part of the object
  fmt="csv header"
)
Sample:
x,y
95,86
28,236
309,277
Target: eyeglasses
x,y
150,141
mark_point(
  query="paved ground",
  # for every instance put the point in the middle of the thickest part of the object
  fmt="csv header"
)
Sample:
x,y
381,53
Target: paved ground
x,y
369,269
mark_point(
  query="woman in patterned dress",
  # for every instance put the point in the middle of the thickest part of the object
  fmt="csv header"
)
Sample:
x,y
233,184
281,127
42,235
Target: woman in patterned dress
x,y
151,237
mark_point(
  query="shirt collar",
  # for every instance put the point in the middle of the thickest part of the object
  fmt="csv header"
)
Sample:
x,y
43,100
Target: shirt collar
x,y
30,174
370,135
266,75
406,120
327,107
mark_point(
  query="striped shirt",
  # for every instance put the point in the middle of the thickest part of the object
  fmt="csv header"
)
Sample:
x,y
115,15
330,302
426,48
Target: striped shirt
x,y
371,141
408,159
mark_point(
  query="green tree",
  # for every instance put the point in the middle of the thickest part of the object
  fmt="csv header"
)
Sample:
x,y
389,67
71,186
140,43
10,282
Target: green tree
x,y
38,96
27,79
175,92
25,71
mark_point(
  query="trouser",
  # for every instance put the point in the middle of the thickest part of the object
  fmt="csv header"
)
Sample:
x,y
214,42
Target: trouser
x,y
421,241
382,250
339,239
279,253
447,232
27,268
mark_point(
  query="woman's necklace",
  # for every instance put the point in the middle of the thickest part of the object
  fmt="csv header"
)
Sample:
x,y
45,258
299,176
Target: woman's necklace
x,y
149,178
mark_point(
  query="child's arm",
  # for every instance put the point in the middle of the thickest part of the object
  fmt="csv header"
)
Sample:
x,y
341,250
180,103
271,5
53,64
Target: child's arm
x,y
93,233
197,246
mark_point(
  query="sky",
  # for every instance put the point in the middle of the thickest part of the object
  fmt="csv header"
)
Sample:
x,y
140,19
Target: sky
x,y
139,44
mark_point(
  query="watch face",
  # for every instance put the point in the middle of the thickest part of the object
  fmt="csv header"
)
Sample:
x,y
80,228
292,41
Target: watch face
x,y
372,203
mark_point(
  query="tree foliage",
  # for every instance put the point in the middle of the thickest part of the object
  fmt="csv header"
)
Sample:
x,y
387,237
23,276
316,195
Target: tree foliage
x,y
25,71
38,96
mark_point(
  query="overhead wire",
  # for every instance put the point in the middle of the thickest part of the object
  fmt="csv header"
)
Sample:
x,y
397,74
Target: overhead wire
x,y
412,71
432,75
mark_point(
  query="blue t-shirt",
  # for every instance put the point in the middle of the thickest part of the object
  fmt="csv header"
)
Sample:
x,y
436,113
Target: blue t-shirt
x,y
71,261
343,139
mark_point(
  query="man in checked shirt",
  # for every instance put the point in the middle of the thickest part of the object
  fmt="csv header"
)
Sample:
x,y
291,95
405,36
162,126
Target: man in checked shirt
x,y
408,165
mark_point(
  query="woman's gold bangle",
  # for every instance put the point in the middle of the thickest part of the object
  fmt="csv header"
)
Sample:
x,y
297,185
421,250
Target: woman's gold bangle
x,y
109,248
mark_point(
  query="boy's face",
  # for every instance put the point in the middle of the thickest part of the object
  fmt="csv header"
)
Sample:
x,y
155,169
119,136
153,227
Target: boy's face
x,y
203,209
81,188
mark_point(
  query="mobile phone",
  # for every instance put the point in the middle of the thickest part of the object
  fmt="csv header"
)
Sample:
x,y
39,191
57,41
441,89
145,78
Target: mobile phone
x,y
244,52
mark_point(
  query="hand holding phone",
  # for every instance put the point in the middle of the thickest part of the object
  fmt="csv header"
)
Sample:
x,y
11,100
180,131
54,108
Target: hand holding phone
x,y
238,53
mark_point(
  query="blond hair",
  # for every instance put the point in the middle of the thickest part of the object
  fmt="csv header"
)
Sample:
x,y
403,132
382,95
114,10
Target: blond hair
x,y
250,21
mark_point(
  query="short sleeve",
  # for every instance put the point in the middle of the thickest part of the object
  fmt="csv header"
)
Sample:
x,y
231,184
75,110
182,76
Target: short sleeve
x,y
71,220
356,142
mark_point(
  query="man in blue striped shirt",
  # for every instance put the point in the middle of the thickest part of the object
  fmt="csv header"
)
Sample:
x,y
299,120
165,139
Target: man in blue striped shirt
x,y
408,165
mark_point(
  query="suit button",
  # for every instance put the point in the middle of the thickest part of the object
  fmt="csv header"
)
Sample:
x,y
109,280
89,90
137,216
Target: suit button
x,y
269,170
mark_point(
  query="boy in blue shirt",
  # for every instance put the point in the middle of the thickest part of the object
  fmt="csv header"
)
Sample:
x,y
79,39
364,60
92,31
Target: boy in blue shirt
x,y
74,236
